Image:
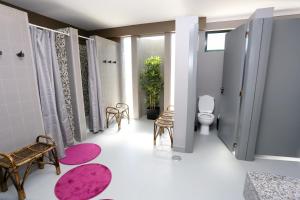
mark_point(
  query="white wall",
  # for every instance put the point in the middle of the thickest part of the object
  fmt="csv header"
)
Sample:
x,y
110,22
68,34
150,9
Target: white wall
x,y
135,77
185,82
210,70
110,72
20,110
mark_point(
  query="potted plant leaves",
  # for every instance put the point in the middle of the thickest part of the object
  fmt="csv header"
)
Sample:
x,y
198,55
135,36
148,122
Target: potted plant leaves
x,y
152,82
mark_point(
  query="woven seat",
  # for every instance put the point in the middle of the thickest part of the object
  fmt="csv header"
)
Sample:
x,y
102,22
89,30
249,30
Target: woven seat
x,y
35,153
111,110
167,116
165,121
26,154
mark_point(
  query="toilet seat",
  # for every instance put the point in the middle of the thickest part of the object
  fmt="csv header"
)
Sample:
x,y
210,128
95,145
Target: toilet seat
x,y
206,115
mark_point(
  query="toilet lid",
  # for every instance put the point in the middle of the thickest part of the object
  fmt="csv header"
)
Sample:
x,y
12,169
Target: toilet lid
x,y
206,104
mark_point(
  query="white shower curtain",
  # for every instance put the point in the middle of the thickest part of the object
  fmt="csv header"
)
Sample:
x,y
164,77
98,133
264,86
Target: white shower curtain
x,y
95,92
55,117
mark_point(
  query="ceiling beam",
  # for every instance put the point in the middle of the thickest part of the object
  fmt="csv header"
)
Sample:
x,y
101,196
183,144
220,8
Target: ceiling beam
x,y
142,29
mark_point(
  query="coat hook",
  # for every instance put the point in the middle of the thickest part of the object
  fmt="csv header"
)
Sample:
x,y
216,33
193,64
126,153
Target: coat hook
x,y
104,61
109,61
115,62
20,54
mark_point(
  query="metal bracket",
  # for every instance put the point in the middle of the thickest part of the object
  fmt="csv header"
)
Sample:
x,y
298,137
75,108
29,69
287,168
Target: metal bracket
x,y
222,90
20,54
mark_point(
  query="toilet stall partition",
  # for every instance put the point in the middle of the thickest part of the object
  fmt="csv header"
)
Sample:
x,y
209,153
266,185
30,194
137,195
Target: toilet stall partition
x,y
245,67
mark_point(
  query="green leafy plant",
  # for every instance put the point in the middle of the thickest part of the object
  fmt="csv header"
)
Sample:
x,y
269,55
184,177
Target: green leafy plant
x,y
151,81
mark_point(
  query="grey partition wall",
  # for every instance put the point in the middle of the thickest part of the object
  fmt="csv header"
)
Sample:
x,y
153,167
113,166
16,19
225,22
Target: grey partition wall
x,y
253,86
279,128
269,113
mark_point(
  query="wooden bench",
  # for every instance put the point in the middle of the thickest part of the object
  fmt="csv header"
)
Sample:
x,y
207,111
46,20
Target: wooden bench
x,y
44,147
119,112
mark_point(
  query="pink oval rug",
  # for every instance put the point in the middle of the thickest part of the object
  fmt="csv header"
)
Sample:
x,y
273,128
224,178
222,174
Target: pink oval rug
x,y
83,182
80,153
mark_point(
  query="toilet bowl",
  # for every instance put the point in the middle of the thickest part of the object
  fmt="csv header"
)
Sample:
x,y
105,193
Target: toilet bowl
x,y
206,118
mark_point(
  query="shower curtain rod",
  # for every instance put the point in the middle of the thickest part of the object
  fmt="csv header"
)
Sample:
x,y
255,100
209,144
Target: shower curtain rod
x,y
48,29
55,31
86,38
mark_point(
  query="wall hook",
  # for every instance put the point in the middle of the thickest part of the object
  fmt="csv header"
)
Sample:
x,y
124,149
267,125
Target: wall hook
x,y
20,54
1,53
104,61
115,62
109,61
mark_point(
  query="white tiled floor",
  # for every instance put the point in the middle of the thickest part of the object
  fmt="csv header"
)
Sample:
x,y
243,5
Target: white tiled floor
x,y
141,172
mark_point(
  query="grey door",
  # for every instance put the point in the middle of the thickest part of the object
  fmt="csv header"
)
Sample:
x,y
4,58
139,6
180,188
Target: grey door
x,y
233,68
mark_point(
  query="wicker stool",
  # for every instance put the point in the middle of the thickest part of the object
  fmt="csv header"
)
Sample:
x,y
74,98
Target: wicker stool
x,y
119,112
35,153
164,122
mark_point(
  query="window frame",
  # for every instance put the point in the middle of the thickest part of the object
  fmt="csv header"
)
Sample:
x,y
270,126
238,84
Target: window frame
x,y
218,31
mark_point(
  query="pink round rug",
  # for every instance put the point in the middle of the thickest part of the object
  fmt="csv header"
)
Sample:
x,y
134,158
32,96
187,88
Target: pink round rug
x,y
83,182
80,153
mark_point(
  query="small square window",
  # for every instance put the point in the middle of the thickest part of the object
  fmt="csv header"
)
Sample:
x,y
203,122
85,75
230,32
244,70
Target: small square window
x,y
215,40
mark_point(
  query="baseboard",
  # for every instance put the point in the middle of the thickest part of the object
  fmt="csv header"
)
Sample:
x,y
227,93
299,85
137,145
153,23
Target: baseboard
x,y
282,158
179,149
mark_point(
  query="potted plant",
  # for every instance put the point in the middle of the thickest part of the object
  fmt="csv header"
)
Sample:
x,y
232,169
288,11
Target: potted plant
x,y
151,83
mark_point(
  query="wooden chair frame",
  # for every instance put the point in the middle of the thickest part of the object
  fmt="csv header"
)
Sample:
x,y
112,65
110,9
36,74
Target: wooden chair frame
x,y
29,155
120,111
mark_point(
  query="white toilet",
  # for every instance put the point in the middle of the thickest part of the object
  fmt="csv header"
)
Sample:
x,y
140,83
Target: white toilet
x,y
206,118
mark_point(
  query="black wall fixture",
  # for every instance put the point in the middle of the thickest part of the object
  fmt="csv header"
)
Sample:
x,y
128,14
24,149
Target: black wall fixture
x,y
115,62
109,61
104,61
21,54
1,53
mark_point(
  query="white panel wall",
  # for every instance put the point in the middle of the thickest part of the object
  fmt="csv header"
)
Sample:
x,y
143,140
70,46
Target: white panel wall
x,y
167,70
185,82
135,77
20,111
110,72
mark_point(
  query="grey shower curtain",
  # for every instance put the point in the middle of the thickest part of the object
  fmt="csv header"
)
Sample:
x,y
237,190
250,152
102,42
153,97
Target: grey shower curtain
x,y
95,92
55,117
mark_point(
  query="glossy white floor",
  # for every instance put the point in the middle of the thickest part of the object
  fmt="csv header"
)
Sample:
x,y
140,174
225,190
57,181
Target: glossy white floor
x,y
141,172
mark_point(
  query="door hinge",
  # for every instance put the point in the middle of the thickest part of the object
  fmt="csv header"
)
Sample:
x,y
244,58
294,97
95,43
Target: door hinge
x,y
241,93
222,90
234,145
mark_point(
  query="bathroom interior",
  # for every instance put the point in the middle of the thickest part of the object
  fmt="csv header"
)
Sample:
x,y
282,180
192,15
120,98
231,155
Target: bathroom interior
x,y
222,122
